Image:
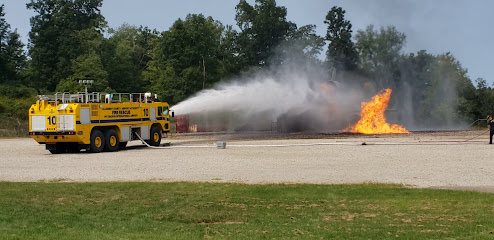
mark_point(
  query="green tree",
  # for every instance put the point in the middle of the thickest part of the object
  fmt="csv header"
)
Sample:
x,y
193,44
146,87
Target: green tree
x,y
126,55
302,46
310,44
12,57
449,98
230,61
341,53
379,54
263,28
484,100
414,73
55,37
187,58
4,26
87,65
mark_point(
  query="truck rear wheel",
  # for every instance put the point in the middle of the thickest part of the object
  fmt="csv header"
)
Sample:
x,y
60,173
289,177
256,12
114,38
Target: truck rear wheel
x,y
155,137
111,140
97,141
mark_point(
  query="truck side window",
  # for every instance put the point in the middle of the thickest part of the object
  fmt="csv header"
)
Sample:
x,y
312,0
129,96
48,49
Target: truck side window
x,y
165,111
159,111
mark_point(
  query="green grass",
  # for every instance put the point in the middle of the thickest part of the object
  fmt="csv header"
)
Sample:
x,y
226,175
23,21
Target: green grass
x,y
225,211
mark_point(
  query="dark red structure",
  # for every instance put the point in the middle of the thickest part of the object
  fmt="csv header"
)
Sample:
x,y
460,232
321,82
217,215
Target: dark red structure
x,y
182,123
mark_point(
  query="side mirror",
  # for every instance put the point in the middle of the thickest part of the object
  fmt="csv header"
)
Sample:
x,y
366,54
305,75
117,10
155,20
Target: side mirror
x,y
173,113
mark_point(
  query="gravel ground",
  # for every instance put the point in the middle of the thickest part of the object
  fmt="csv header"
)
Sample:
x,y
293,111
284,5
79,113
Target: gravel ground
x,y
425,159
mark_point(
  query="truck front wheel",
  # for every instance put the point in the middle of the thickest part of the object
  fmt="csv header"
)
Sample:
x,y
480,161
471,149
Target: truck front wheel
x,y
97,141
155,138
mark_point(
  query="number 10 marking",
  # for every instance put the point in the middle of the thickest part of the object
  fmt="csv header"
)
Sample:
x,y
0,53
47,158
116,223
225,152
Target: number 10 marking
x,y
52,120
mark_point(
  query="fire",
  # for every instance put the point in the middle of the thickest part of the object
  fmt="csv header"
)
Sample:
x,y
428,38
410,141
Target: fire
x,y
372,119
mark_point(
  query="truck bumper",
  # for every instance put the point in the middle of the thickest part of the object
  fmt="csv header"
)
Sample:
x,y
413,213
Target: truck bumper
x,y
54,138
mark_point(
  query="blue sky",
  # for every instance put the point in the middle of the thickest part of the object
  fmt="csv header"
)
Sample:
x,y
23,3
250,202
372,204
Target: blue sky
x,y
461,27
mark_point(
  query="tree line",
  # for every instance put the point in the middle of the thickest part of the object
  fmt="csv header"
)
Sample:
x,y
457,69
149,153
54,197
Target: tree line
x,y
70,41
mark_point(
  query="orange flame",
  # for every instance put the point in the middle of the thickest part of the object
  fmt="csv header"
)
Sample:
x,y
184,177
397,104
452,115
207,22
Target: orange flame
x,y
372,119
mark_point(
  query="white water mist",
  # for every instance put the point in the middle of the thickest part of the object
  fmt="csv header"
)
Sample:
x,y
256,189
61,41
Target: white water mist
x,y
301,93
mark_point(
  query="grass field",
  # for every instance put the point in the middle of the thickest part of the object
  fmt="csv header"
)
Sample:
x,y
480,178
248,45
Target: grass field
x,y
224,211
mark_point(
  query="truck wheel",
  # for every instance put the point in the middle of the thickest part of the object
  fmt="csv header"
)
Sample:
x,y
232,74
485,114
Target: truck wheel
x,y
97,141
155,139
111,140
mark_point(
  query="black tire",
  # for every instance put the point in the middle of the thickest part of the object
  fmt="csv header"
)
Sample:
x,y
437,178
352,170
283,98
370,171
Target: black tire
x,y
97,141
111,140
122,145
155,136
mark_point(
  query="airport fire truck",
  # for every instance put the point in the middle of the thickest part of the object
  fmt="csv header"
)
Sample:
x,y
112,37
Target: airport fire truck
x,y
97,122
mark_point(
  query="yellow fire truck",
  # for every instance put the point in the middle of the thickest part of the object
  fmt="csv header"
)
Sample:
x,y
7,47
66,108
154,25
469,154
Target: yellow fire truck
x,y
97,122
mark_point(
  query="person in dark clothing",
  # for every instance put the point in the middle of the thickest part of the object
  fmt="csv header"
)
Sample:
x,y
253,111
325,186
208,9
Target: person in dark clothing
x,y
490,125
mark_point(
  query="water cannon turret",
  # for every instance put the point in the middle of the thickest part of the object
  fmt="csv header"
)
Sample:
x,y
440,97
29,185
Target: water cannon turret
x,y
147,97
